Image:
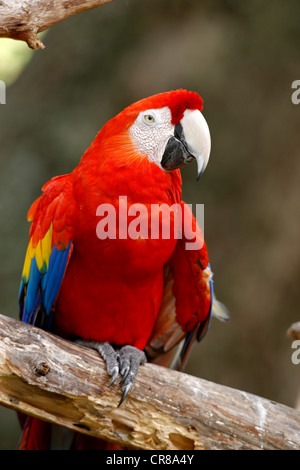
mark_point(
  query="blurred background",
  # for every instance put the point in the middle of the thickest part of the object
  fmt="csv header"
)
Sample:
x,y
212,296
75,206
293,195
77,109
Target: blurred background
x,y
242,58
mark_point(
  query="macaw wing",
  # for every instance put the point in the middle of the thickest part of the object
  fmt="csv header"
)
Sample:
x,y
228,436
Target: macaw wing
x,y
171,340
188,300
48,253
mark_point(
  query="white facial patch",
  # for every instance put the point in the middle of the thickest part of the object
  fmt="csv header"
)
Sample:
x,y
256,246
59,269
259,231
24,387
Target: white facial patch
x,y
151,132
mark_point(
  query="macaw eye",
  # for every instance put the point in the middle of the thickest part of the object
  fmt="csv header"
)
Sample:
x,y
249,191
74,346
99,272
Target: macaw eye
x,y
149,119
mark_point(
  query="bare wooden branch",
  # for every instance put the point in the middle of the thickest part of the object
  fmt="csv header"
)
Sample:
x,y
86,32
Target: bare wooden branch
x,y
23,19
294,330
48,377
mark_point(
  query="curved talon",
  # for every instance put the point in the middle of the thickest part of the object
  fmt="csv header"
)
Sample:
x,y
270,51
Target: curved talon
x,y
131,358
119,361
115,375
124,372
125,393
126,362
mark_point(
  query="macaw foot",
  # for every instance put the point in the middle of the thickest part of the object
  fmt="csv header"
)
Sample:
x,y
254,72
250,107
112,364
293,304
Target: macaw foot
x,y
125,361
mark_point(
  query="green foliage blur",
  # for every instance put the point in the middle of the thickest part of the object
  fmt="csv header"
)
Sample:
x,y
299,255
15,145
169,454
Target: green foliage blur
x,y
242,57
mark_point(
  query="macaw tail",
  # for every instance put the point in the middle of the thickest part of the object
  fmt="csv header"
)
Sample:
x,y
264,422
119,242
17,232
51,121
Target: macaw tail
x,y
40,435
35,435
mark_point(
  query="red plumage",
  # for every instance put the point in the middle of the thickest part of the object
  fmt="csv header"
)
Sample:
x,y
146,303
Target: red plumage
x,y
145,292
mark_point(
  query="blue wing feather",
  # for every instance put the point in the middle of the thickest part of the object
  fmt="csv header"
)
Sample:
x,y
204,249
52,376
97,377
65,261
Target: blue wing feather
x,y
38,294
53,278
32,291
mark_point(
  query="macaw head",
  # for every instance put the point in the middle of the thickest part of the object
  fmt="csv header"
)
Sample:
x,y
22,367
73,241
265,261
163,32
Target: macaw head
x,y
168,129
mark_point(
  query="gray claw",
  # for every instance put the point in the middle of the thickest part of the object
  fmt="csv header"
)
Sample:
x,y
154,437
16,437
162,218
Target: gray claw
x,y
131,359
115,375
125,362
108,354
125,392
124,372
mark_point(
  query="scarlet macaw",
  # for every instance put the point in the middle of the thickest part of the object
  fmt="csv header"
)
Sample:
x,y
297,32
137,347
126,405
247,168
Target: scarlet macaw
x,y
131,299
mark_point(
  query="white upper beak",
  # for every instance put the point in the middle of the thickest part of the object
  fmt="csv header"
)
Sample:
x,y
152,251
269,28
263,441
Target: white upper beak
x,y
197,137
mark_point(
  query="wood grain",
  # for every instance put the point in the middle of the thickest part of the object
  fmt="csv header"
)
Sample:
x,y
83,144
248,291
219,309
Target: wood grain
x,y
48,377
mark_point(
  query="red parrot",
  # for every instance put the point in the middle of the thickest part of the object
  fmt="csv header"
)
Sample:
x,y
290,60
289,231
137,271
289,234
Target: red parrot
x,y
131,298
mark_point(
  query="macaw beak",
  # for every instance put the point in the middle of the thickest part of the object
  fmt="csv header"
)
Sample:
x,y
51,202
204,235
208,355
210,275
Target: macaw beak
x,y
191,141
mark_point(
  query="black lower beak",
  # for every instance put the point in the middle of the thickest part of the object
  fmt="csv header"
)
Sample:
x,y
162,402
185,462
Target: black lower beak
x,y
176,154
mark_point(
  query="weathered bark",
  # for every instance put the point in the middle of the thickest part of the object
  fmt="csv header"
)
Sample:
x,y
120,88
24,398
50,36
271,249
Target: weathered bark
x,y
23,19
48,377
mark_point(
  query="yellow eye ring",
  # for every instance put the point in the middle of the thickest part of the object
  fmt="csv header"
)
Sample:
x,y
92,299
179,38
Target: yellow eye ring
x,y
149,119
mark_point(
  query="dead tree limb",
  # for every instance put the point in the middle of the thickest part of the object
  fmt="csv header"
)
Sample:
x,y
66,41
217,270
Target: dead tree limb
x,y
58,381
23,19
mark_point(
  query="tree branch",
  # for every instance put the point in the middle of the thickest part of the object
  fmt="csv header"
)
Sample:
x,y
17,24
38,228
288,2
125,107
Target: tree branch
x,y
61,382
23,19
